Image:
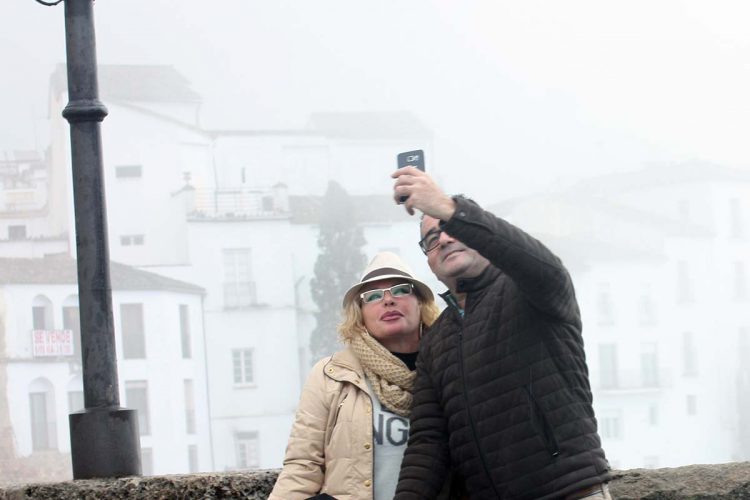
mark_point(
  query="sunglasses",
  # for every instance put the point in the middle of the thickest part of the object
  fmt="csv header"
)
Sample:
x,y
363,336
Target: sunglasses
x,y
396,291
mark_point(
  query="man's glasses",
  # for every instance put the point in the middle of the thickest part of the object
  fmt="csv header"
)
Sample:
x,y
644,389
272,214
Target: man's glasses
x,y
431,240
377,295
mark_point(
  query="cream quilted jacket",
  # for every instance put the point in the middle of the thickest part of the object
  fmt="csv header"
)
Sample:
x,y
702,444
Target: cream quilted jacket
x,y
330,448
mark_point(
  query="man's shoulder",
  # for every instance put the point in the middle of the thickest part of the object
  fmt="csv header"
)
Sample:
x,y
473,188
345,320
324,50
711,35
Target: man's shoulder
x,y
440,328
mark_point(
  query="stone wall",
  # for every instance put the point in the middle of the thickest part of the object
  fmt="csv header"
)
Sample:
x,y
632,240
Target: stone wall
x,y
698,482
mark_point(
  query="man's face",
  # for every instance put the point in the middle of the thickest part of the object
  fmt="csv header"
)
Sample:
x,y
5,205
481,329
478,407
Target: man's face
x,y
451,259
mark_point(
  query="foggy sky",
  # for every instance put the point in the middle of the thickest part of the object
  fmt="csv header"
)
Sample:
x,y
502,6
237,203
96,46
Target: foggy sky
x,y
538,93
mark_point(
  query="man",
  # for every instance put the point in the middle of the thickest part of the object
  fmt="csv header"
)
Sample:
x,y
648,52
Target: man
x,y
502,393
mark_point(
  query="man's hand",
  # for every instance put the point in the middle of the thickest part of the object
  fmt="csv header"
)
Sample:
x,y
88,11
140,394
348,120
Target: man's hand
x,y
423,194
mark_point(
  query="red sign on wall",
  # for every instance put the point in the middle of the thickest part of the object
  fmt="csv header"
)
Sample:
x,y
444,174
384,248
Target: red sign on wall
x,y
52,342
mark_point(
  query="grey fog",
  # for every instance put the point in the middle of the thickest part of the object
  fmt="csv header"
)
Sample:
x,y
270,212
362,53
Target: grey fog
x,y
614,132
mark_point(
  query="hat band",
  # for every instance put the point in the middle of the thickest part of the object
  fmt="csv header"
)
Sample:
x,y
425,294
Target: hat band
x,y
383,271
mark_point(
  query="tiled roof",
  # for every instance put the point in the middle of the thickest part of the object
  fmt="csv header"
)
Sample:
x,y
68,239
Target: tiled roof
x,y
136,83
62,270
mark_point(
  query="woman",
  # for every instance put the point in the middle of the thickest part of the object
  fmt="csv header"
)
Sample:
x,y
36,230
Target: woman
x,y
352,423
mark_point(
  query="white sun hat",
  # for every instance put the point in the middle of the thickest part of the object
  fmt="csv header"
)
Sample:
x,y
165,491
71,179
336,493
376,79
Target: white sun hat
x,y
387,265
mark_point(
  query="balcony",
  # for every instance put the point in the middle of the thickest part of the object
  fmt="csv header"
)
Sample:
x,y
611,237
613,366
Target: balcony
x,y
238,203
22,200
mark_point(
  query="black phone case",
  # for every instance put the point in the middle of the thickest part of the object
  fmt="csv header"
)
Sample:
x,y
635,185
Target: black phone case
x,y
410,158
414,158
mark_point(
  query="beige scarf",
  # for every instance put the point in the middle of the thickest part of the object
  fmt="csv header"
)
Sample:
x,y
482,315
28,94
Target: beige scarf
x,y
390,378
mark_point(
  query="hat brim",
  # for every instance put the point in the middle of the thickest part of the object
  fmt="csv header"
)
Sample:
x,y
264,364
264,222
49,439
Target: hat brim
x,y
424,291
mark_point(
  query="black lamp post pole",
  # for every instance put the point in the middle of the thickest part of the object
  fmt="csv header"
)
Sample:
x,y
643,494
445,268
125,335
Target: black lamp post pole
x,y
104,437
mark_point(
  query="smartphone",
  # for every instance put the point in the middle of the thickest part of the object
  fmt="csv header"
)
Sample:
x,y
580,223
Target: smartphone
x,y
410,159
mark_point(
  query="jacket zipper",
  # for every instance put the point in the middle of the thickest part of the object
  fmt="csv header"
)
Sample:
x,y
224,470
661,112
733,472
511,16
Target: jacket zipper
x,y
474,435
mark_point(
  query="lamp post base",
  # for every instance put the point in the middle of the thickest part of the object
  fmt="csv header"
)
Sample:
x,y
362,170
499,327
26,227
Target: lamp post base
x,y
105,442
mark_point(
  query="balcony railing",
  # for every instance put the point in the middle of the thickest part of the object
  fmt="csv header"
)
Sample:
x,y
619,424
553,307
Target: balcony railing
x,y
236,203
21,200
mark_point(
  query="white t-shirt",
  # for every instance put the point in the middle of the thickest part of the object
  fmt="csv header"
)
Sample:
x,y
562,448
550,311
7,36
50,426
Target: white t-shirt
x,y
390,435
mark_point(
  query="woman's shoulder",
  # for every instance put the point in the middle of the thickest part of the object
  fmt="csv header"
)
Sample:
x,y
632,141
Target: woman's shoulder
x,y
344,359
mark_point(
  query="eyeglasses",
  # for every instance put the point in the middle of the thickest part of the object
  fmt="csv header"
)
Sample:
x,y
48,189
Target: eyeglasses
x,y
431,240
396,292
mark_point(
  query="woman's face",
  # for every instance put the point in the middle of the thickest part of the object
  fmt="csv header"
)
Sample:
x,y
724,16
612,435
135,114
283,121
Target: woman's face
x,y
392,321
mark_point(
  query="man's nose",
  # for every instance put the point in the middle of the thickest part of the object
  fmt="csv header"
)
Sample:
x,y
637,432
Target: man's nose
x,y
445,239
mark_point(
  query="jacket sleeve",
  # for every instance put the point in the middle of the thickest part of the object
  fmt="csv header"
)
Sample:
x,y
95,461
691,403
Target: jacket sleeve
x,y
536,271
304,462
426,459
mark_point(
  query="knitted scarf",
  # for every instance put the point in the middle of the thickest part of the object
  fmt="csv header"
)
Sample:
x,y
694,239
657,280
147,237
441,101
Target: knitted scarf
x,y
390,378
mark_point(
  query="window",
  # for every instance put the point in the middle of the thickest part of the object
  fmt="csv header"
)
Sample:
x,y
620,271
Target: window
x,y
39,320
147,461
239,287
683,211
691,402
41,313
653,415
248,452
133,336
608,366
136,398
72,321
689,357
185,331
604,305
192,458
736,223
649,365
189,406
242,366
267,203
611,424
127,240
128,171
16,232
684,291
42,413
740,281
646,310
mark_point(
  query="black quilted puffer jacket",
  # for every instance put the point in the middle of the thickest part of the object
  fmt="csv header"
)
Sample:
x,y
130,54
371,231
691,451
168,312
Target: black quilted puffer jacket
x,y
502,393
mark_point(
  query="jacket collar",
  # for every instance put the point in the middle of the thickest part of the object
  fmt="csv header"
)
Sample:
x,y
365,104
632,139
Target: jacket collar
x,y
485,278
468,285
344,366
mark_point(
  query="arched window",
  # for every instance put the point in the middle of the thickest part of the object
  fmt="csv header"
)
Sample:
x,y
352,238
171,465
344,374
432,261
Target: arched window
x,y
72,321
41,313
42,411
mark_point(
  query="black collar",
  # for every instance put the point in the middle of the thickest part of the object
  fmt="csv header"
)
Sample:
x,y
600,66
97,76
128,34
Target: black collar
x,y
468,285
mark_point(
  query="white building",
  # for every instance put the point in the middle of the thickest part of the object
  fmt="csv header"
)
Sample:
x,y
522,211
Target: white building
x,y
660,260
650,253
214,207
159,331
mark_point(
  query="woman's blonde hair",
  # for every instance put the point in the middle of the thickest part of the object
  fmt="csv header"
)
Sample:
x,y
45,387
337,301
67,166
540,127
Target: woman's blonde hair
x,y
352,322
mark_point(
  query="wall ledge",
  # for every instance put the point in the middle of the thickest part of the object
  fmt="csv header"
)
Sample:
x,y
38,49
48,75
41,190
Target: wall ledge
x,y
704,482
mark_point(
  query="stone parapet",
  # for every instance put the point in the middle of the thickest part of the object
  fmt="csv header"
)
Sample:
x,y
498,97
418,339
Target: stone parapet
x,y
704,482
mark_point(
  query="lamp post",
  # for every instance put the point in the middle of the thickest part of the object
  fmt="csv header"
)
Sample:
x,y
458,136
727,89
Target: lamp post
x,y
104,438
